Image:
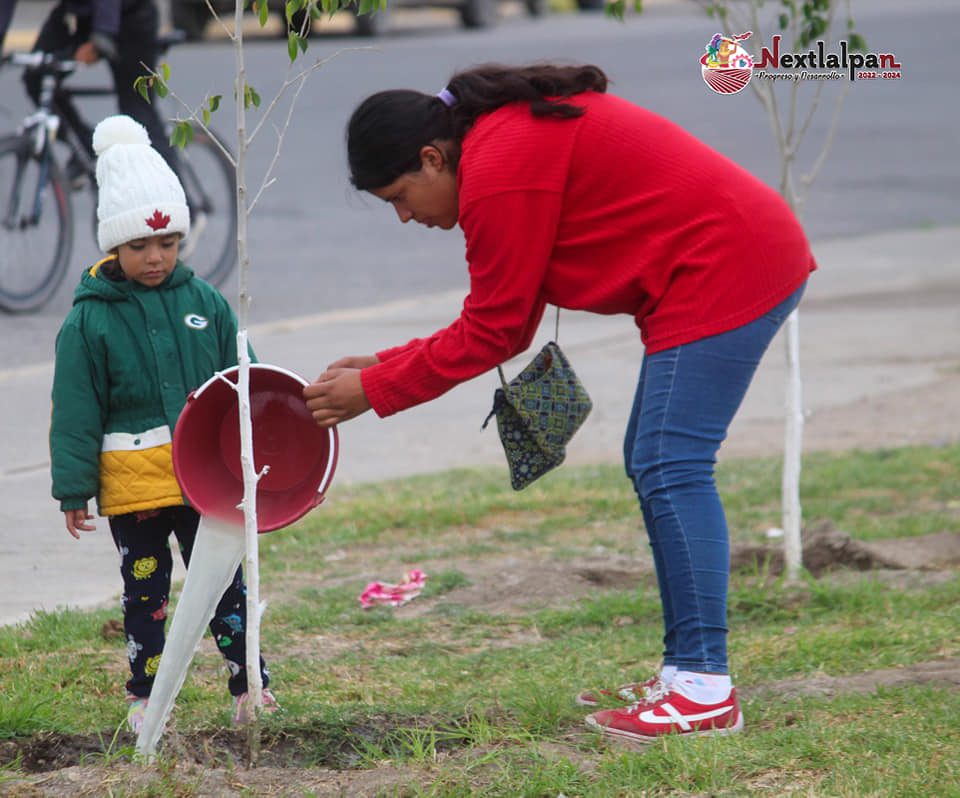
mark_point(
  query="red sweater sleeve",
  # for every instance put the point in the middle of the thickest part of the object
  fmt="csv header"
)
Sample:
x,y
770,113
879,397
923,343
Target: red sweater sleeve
x,y
510,237
393,351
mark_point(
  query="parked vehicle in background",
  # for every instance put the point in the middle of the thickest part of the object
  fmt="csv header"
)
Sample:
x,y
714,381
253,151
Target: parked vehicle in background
x,y
191,16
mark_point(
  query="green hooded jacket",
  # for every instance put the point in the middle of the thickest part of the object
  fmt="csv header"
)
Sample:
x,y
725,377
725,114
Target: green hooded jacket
x,y
127,356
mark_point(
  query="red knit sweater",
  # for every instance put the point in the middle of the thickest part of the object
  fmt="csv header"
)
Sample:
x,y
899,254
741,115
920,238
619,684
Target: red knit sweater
x,y
616,211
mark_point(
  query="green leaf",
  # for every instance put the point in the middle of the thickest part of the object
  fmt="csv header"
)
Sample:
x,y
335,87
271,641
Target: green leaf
x,y
215,102
264,12
615,9
142,87
302,43
162,90
178,135
784,21
250,97
205,112
165,71
292,45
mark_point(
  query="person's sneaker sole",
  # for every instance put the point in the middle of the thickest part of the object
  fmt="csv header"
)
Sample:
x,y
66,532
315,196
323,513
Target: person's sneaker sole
x,y
646,739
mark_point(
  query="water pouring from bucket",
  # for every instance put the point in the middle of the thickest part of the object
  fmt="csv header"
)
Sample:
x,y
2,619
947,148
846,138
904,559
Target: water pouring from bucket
x,y
296,460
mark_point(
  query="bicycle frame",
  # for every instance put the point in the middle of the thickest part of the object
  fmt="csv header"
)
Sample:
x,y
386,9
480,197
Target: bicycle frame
x,y
42,126
35,168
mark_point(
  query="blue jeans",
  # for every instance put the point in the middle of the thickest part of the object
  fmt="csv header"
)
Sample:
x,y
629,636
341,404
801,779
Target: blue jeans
x,y
686,398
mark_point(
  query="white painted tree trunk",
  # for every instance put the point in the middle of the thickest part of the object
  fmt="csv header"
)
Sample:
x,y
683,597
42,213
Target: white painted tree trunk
x,y
792,452
788,132
250,477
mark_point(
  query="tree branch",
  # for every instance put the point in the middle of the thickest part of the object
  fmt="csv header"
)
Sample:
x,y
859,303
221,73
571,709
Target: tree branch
x,y
288,82
216,16
281,132
193,115
807,180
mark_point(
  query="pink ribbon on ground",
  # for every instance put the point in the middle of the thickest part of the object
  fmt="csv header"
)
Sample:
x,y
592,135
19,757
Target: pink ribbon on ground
x,y
393,595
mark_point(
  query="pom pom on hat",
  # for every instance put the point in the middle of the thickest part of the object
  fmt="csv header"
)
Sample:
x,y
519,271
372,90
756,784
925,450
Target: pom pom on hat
x,y
118,130
139,194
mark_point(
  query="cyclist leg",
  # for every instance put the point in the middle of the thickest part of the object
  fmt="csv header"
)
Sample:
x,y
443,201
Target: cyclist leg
x,y
62,33
138,47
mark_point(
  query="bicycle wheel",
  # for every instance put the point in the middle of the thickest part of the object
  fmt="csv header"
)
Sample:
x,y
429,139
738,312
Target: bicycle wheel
x,y
209,181
36,226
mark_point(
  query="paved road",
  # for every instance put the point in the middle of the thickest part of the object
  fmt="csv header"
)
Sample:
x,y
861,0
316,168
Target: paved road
x,y
335,273
893,164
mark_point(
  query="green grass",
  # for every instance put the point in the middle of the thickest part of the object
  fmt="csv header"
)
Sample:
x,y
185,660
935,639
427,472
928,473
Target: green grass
x,y
473,699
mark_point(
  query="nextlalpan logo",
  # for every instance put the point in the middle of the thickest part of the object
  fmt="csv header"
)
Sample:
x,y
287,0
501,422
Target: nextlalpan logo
x,y
727,67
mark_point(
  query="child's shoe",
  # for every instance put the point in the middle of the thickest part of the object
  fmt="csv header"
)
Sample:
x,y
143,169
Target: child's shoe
x,y
136,711
674,713
631,693
243,712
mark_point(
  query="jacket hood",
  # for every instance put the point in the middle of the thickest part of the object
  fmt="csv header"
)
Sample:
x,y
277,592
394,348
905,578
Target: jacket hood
x,y
95,285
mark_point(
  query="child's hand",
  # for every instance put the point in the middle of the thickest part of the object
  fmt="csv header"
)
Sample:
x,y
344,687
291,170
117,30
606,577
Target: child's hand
x,y
76,520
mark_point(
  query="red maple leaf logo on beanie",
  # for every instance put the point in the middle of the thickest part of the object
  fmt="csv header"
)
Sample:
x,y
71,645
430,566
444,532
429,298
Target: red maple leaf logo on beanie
x,y
158,221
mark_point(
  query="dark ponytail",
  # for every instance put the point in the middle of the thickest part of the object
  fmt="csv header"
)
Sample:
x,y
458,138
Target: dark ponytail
x,y
388,129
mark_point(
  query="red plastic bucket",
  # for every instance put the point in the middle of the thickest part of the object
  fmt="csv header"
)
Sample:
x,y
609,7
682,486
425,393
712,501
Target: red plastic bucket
x,y
206,448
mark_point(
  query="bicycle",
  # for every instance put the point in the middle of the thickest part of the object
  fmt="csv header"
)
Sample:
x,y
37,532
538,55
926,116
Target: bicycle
x,y
36,210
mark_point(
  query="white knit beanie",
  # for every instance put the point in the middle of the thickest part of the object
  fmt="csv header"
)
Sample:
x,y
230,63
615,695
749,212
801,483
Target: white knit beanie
x,y
140,195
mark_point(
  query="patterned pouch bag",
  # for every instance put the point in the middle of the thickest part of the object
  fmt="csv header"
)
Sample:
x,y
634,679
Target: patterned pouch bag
x,y
538,413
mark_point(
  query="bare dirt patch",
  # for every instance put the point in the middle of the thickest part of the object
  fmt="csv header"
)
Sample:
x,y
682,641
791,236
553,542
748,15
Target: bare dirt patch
x,y
944,673
826,548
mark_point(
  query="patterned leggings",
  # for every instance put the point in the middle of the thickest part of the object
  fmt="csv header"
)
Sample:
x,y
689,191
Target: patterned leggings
x,y
146,564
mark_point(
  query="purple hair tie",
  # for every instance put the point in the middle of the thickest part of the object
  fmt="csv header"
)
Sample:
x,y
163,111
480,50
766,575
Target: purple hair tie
x,y
446,97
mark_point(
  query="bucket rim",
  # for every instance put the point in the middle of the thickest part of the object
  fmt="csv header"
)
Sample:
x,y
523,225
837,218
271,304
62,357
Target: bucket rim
x,y
219,376
333,439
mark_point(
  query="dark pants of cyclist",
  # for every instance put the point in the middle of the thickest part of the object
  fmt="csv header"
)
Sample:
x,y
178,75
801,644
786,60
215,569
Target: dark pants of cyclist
x,y
62,33
143,540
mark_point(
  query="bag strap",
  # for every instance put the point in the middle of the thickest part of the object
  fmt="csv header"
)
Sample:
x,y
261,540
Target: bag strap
x,y
556,337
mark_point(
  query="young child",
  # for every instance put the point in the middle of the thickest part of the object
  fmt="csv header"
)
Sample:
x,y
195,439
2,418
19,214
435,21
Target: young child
x,y
143,332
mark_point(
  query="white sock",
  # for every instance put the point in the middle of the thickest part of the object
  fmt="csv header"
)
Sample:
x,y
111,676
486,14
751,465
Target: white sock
x,y
704,688
667,674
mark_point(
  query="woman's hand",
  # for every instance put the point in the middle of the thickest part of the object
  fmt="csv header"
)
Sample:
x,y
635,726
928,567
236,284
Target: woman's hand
x,y
336,396
76,520
354,362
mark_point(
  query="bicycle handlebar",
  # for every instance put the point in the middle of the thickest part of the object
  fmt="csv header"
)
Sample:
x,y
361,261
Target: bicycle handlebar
x,y
49,62
56,64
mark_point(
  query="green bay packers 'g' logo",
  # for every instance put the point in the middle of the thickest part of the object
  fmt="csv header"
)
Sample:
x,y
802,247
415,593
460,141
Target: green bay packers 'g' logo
x,y
195,322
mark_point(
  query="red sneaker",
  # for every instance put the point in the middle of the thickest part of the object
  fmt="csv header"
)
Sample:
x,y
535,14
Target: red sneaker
x,y
674,713
626,693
